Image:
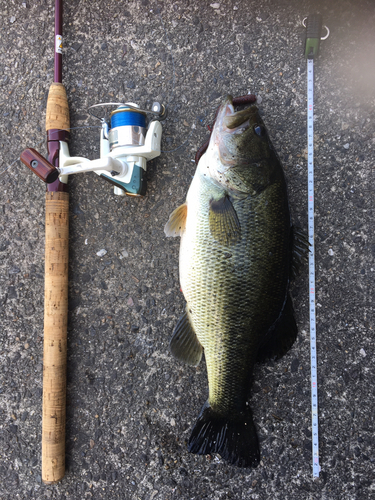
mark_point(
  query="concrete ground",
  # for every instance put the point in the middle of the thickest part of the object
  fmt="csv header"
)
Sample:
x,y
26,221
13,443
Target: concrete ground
x,y
130,405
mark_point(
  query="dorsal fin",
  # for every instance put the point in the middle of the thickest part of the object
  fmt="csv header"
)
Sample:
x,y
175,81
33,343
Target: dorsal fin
x,y
281,336
300,249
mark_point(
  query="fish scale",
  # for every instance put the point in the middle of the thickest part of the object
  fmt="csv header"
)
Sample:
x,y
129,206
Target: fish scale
x,y
223,316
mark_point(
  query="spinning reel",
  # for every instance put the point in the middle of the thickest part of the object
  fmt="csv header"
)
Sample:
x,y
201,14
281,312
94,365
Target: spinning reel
x,y
127,142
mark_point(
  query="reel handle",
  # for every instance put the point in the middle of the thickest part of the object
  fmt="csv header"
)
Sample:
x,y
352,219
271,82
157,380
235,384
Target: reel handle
x,y
39,165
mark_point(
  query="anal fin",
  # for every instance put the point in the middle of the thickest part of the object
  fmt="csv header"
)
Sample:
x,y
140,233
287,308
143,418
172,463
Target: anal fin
x,y
184,344
281,336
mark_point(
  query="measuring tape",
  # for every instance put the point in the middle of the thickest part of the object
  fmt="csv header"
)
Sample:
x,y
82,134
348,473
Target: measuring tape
x,y
313,27
310,180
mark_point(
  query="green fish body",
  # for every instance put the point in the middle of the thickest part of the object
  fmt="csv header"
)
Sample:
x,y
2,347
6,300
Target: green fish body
x,y
235,266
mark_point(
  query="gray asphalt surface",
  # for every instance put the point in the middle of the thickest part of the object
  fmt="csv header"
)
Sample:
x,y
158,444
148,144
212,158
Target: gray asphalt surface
x,y
131,406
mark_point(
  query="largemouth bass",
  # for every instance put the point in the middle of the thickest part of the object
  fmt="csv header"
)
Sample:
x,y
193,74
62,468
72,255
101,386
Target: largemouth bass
x,y
235,267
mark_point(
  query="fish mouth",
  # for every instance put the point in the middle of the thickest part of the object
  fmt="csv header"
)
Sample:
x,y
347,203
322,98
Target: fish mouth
x,y
230,121
225,110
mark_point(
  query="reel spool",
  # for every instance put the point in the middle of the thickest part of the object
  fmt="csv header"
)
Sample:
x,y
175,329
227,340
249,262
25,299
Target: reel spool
x,y
128,127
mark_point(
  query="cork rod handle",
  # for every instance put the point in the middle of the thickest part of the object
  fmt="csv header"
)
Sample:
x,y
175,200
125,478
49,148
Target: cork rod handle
x,y
55,336
57,115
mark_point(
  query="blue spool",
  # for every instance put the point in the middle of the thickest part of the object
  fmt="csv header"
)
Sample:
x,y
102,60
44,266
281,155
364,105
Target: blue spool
x,y
126,117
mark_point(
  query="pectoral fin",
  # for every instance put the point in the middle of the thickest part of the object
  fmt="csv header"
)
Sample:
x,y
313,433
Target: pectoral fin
x,y
184,344
177,221
224,223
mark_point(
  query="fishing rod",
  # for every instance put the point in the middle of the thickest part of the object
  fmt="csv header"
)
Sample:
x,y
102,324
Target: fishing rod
x,y
56,271
127,142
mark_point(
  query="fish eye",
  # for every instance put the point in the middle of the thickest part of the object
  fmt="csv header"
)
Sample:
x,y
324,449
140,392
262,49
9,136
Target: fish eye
x,y
259,130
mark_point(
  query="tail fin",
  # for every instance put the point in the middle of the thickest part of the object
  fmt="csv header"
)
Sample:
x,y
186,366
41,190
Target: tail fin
x,y
235,439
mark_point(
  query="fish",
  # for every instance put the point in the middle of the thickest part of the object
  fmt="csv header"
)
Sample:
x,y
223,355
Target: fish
x,y
238,253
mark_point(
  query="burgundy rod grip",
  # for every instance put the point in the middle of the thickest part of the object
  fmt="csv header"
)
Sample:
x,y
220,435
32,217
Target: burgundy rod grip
x,y
39,165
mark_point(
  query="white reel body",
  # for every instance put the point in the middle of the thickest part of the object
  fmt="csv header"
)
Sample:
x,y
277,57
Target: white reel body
x,y
126,144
